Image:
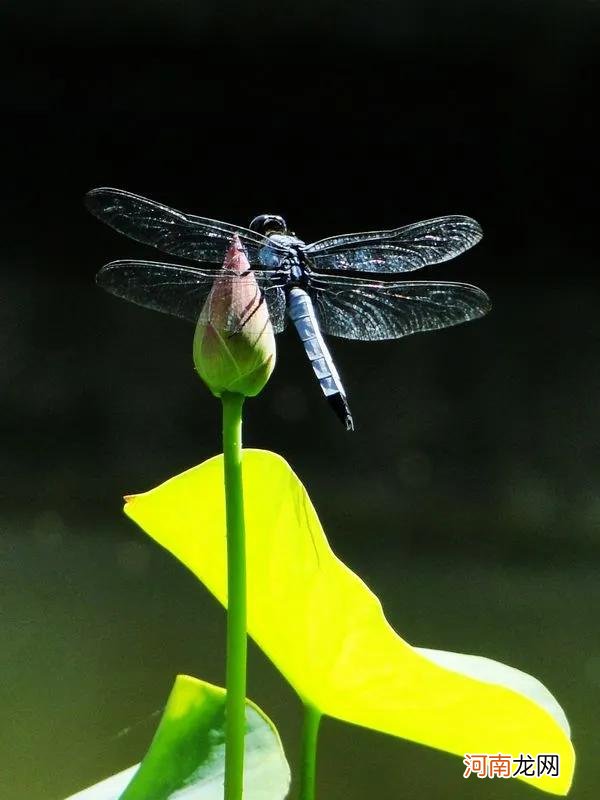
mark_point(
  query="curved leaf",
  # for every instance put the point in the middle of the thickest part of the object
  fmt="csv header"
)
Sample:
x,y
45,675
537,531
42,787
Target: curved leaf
x,y
326,631
187,756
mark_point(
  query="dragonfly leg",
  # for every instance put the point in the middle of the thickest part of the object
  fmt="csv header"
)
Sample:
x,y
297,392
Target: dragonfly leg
x,y
240,327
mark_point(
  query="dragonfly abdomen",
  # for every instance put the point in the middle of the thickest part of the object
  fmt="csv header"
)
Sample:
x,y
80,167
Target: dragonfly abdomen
x,y
302,313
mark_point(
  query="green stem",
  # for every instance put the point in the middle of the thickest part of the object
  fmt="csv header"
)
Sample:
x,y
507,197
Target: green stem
x,y
308,764
235,726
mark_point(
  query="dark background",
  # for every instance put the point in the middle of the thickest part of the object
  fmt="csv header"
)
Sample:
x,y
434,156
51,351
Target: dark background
x,y
468,496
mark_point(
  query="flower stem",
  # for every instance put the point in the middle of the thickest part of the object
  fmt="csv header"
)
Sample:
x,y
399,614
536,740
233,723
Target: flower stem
x,y
308,765
235,724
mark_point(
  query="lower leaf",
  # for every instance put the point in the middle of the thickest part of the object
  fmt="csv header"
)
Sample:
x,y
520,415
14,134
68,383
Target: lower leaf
x,y
186,758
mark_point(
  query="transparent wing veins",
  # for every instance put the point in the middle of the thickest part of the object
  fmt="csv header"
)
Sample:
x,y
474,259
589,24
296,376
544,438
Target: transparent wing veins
x,y
375,311
181,290
172,231
400,250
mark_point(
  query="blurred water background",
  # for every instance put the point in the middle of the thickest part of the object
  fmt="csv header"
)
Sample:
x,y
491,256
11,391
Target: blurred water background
x,y
469,496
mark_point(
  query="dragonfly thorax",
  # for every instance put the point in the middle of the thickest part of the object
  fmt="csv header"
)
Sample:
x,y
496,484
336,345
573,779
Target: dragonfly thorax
x,y
295,260
286,240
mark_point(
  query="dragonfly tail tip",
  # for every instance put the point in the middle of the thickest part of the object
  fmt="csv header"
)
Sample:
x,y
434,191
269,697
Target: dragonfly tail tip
x,y
340,406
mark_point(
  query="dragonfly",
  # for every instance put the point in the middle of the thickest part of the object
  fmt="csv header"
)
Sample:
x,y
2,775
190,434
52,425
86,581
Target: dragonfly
x,y
343,286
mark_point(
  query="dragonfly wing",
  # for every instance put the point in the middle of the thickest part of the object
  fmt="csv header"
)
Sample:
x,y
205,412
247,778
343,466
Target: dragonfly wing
x,y
182,290
377,310
401,250
171,231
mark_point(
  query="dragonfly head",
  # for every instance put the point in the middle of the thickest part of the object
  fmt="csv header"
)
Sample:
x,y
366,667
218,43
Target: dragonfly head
x,y
268,223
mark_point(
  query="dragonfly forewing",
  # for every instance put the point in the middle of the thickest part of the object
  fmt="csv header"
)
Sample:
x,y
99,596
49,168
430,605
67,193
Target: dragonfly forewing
x,y
401,250
172,231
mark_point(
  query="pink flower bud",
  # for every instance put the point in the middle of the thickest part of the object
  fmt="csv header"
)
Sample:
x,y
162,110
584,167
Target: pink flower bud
x,y
234,343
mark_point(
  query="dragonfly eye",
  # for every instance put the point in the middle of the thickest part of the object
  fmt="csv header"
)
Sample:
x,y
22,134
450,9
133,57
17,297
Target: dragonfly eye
x,y
268,223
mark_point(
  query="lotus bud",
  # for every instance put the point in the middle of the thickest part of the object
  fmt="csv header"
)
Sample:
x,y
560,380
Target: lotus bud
x,y
234,343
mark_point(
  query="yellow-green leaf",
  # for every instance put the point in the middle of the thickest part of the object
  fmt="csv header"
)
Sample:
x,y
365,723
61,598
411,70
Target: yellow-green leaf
x,y
187,755
326,632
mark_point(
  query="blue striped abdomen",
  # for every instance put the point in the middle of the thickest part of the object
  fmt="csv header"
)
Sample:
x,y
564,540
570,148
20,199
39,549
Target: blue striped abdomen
x,y
302,313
